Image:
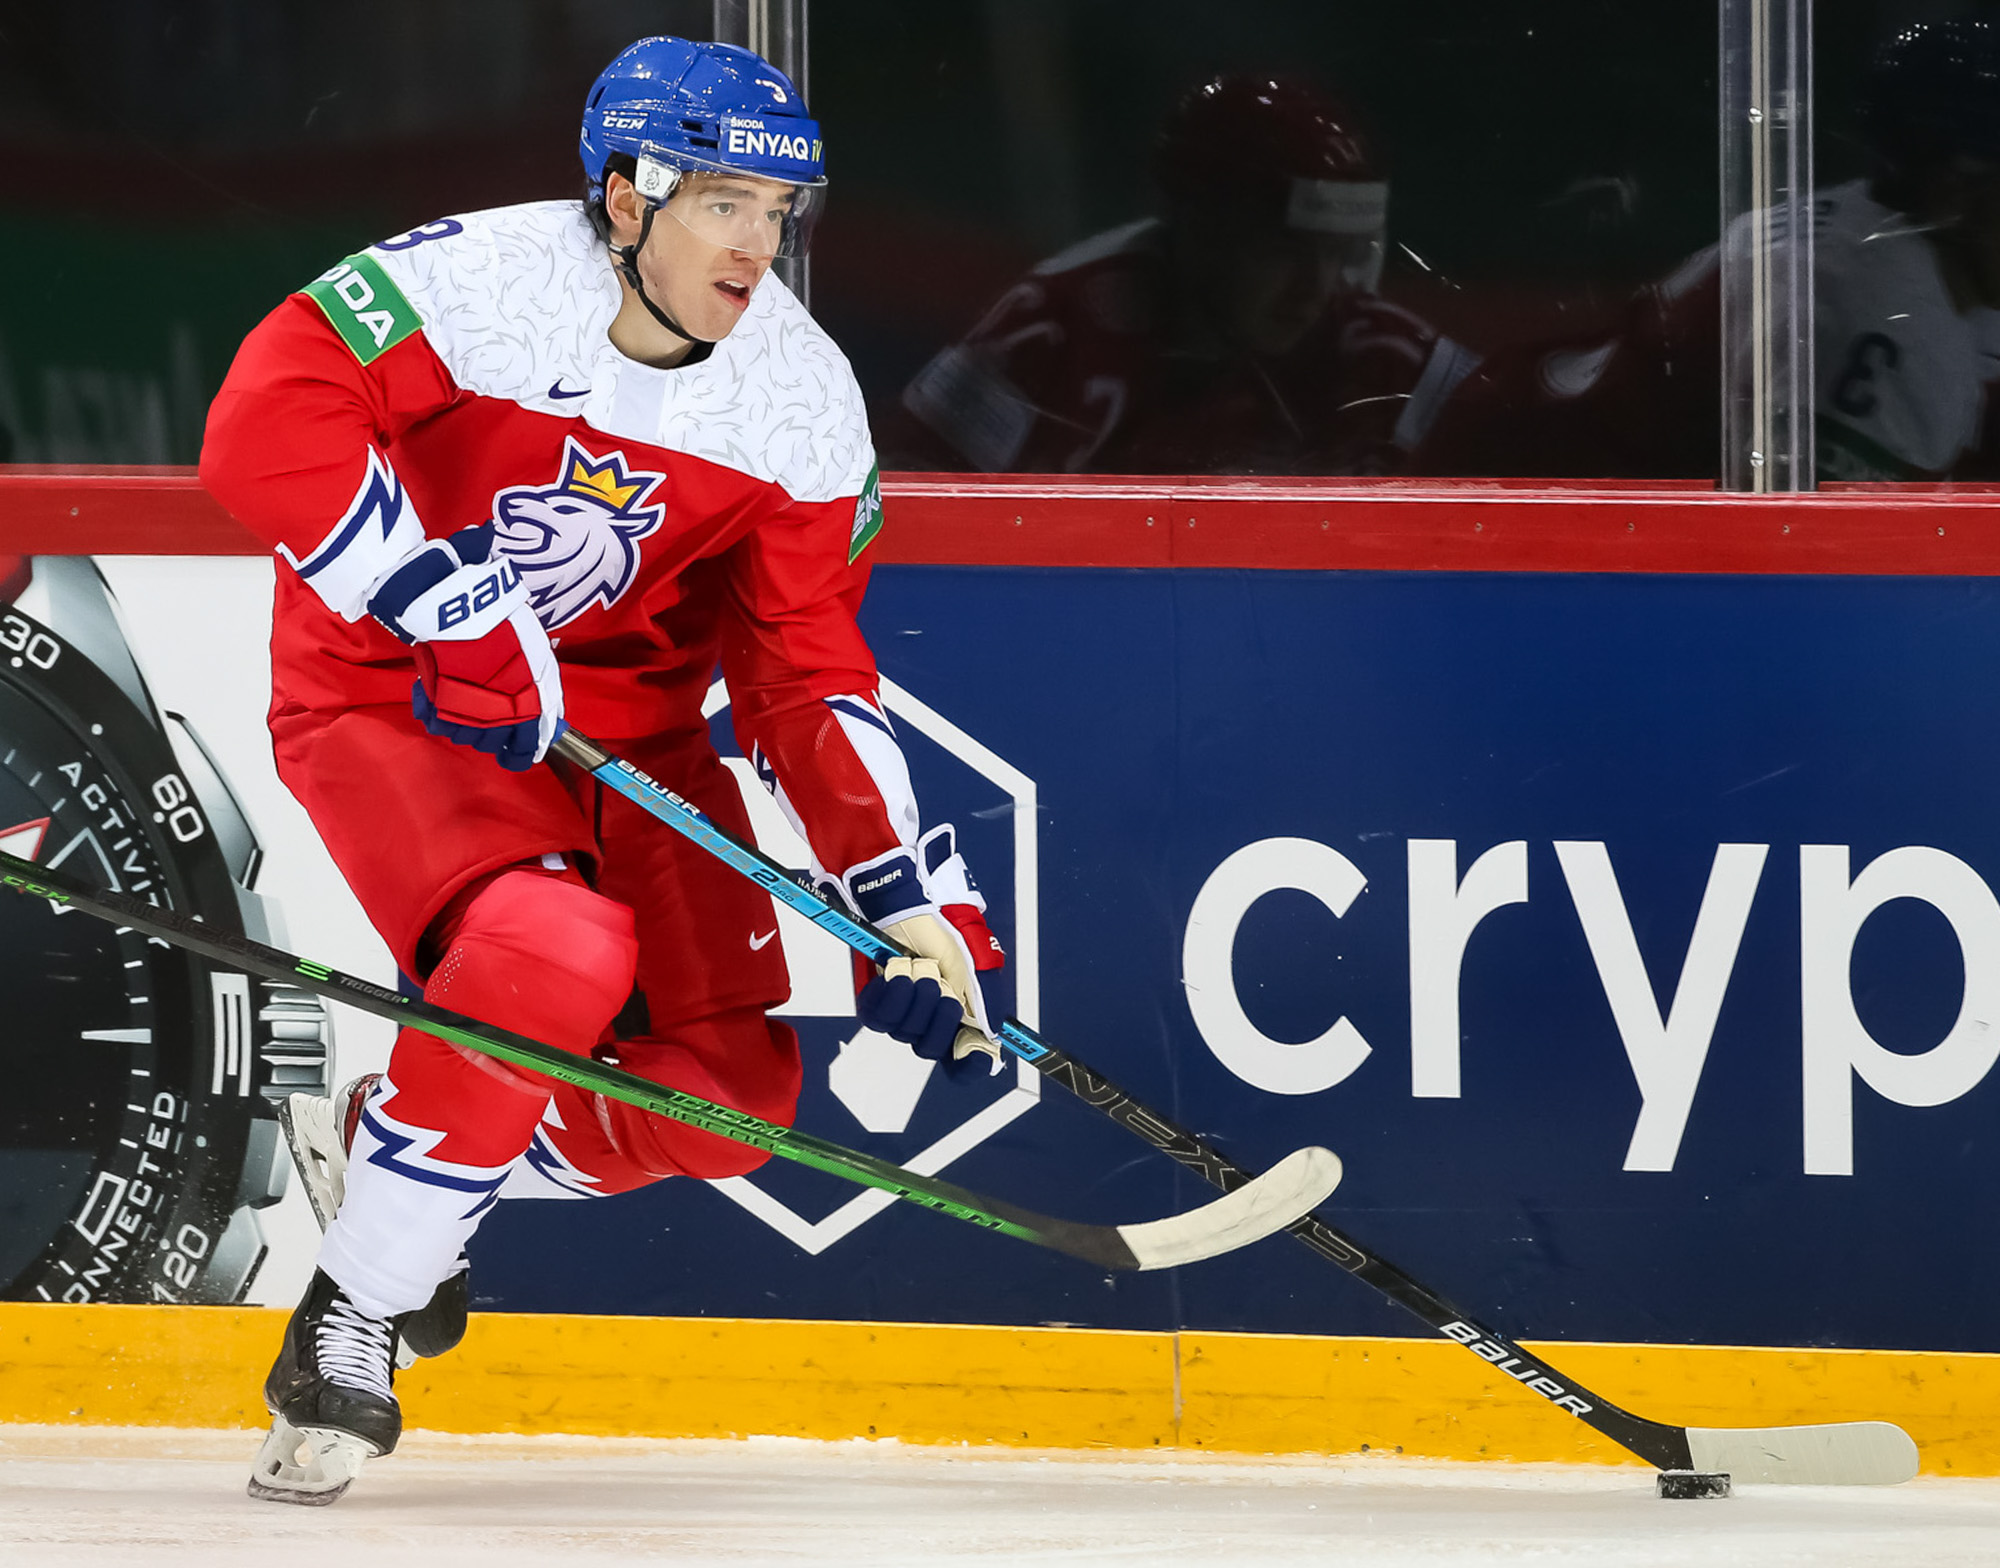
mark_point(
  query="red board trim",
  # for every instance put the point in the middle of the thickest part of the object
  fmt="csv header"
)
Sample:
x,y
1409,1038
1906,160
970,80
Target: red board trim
x,y
1352,525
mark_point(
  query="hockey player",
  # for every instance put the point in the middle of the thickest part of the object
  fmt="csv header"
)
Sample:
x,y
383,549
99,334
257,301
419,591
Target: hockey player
x,y
1239,332
564,459
1906,320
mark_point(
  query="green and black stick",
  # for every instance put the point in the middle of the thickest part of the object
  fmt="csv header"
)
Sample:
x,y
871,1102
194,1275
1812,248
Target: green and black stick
x,y
1289,1190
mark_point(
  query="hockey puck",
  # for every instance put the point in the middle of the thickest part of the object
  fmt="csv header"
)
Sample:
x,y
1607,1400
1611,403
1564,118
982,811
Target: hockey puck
x,y
1692,1483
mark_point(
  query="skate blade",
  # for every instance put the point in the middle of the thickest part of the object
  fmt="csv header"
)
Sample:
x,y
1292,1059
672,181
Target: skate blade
x,y
306,1466
313,1135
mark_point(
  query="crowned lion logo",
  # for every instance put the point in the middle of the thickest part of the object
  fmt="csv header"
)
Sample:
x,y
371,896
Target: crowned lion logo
x,y
576,542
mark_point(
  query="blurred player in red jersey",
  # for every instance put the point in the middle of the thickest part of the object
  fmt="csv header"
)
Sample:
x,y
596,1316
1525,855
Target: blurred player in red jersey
x,y
566,458
1906,320
1239,332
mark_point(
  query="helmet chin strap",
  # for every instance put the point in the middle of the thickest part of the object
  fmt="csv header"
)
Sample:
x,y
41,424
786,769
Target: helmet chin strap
x,y
628,264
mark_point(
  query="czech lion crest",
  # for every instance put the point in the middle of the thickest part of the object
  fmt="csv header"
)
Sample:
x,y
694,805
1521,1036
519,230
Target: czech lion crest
x,y
576,542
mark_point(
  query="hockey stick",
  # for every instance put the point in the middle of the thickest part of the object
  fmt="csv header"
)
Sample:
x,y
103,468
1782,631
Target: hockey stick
x,y
1292,1188
1852,1453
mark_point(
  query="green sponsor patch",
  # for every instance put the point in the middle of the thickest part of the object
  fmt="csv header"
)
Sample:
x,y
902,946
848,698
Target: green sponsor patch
x,y
366,309
867,515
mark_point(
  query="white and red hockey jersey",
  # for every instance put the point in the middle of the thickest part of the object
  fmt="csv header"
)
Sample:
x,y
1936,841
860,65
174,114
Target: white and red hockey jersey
x,y
1903,368
665,521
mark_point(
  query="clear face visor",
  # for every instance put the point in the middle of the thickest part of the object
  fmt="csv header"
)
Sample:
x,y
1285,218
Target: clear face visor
x,y
1353,261
735,211
1348,224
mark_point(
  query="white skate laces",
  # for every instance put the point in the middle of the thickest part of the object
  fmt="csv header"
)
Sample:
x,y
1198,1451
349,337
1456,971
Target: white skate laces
x,y
353,1348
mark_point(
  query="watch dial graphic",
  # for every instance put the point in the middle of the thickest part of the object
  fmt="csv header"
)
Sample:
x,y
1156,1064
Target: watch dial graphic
x,y
132,1105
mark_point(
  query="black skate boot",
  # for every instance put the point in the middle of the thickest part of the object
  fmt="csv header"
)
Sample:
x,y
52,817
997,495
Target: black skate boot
x,y
320,1131
332,1399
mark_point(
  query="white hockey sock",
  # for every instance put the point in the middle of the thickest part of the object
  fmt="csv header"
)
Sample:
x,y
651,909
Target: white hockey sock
x,y
406,1216
544,1171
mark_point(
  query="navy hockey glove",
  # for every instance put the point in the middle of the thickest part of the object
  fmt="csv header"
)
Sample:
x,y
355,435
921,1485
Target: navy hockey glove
x,y
486,675
926,901
917,1012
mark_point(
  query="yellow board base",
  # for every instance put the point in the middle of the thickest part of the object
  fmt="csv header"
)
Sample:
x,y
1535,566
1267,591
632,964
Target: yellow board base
x,y
1025,1387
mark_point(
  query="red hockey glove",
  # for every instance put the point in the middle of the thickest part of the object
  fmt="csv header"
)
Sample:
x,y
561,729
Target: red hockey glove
x,y
969,921
499,694
486,675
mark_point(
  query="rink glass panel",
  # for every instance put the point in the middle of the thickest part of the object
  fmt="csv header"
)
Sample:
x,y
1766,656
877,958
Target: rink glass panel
x,y
1907,133
1533,195
173,172
1531,191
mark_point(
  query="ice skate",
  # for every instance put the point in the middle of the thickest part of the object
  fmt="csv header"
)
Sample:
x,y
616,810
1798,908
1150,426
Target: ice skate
x,y
332,1399
320,1131
308,1471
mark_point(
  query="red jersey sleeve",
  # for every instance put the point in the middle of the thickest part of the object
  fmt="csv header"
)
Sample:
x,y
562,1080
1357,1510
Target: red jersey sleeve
x,y
296,439
802,682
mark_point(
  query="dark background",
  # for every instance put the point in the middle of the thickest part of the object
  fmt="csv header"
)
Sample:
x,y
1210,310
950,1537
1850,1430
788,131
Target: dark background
x,y
169,169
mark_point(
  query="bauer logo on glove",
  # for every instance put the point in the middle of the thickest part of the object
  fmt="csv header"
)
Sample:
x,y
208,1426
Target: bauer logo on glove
x,y
486,674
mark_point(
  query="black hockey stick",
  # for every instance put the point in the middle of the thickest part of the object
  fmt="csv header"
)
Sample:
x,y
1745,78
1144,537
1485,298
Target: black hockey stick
x,y
1293,1187
1838,1453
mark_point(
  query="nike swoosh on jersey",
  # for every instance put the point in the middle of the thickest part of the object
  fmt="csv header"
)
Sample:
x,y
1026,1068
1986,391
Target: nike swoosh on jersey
x,y
556,390
758,943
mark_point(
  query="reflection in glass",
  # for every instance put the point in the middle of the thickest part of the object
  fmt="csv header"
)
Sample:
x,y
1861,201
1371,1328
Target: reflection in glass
x,y
1239,330
973,150
1908,310
1906,275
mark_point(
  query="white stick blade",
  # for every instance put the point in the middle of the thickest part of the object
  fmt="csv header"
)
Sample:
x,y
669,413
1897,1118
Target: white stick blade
x,y
1842,1453
1287,1192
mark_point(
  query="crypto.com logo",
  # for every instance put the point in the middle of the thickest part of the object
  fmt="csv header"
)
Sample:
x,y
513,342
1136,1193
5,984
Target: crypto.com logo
x,y
878,1079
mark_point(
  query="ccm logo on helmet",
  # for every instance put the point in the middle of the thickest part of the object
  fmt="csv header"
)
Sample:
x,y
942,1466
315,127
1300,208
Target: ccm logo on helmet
x,y
624,122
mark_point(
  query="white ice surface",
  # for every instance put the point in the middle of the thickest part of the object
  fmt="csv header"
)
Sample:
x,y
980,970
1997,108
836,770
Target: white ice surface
x,y
104,1497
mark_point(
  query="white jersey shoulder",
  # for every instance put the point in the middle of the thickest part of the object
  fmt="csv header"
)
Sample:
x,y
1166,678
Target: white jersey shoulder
x,y
517,303
1899,365
1900,371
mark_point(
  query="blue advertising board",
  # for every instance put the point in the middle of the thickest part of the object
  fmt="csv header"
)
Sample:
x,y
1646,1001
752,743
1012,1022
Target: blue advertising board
x,y
1630,937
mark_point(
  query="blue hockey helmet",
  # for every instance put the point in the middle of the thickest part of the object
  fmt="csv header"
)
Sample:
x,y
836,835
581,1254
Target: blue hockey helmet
x,y
678,108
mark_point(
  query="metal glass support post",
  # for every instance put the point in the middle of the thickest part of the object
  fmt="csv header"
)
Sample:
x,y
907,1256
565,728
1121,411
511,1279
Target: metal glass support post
x,y
1767,245
775,29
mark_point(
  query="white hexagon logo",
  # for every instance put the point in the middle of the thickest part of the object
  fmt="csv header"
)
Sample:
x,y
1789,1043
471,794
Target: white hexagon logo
x,y
879,1080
